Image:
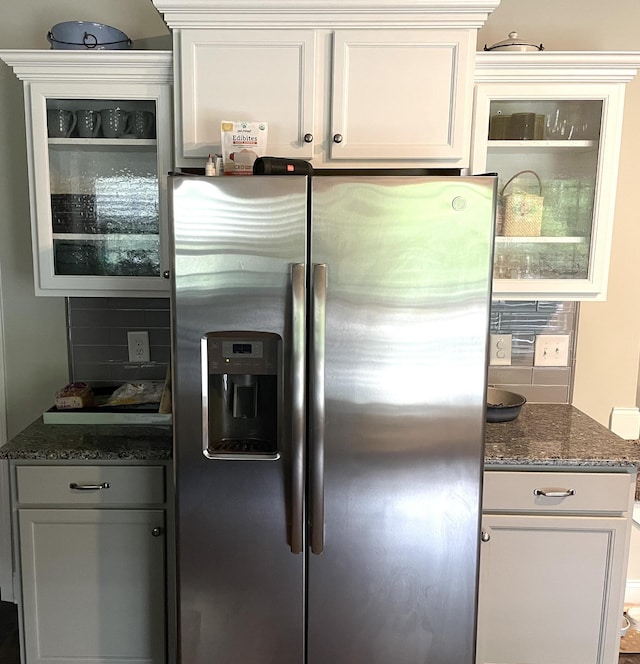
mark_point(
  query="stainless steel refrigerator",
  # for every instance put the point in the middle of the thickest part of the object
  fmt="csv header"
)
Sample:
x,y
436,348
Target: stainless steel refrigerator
x,y
330,338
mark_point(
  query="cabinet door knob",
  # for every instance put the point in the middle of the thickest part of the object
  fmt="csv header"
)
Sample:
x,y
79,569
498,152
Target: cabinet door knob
x,y
485,536
166,274
157,531
337,138
308,138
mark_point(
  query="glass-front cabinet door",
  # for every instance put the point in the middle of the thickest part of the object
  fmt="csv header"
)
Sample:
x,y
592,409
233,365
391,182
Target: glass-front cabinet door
x,y
550,127
99,156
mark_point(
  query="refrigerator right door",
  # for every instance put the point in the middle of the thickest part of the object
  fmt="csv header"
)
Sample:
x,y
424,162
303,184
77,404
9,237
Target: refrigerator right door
x,y
400,308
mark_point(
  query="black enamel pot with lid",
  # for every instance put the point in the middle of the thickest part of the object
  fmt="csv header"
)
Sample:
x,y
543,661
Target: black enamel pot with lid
x,y
514,43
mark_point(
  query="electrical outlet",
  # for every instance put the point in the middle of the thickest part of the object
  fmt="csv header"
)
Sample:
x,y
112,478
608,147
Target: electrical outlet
x,y
552,350
138,343
500,349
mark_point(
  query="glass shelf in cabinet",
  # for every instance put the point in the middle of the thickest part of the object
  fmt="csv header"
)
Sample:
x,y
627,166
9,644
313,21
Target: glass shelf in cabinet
x,y
543,146
101,237
74,143
542,239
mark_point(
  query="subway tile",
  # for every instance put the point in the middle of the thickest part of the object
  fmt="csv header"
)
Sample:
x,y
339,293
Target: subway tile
x,y
566,307
82,336
501,375
160,354
91,373
91,318
112,303
128,373
551,376
513,306
538,393
157,318
159,336
546,393
100,354
537,322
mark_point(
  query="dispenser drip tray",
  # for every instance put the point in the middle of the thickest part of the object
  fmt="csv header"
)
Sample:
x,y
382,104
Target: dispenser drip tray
x,y
242,448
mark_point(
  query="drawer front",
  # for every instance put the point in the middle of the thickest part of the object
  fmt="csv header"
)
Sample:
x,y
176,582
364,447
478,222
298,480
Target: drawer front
x,y
91,484
588,492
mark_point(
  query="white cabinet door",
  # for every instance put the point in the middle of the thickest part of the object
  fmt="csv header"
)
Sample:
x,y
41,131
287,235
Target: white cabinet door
x,y
549,589
93,585
99,148
251,75
550,127
401,95
340,98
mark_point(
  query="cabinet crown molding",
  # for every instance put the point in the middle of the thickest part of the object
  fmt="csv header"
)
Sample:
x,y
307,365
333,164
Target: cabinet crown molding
x,y
574,66
47,65
325,13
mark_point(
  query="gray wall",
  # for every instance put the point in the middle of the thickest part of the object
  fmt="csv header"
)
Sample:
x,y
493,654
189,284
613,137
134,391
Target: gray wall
x,y
34,328
33,335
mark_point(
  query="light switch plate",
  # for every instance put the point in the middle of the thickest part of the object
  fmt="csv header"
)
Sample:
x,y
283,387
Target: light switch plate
x,y
500,349
552,350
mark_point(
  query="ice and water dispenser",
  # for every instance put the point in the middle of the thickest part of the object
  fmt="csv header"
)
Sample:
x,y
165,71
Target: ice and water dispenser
x,y
241,394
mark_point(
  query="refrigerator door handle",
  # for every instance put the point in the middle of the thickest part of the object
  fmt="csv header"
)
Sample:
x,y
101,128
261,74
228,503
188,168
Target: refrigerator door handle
x,y
319,300
298,315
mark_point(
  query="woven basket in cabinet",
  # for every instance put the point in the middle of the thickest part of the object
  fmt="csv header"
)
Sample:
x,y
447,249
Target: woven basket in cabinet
x,y
521,210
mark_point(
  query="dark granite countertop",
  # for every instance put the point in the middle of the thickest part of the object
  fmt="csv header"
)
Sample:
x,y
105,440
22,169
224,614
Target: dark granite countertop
x,y
557,435
94,442
543,435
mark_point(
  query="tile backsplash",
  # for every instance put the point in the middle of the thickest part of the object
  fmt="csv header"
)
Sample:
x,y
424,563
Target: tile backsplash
x,y
524,321
98,351
97,333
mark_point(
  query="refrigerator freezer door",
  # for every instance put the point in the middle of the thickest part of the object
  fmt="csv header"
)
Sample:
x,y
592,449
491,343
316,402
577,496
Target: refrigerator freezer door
x,y
237,245
408,265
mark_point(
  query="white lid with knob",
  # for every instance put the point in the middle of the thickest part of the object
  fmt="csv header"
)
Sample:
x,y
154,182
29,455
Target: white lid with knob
x,y
514,44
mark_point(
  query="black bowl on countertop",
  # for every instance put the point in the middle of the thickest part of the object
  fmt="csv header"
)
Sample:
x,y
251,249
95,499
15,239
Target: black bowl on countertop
x,y
503,406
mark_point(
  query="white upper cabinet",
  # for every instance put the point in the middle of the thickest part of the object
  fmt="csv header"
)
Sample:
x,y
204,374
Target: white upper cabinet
x,y
349,84
263,75
550,125
400,95
99,149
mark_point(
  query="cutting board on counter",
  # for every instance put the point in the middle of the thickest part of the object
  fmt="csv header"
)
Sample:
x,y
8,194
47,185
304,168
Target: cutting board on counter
x,y
101,413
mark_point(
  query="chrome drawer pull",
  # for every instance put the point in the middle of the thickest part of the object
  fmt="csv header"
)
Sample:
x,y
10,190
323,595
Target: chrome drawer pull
x,y
89,487
554,492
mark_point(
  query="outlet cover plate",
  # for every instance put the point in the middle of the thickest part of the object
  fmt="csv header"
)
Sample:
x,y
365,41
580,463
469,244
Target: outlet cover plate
x,y
500,349
138,345
552,350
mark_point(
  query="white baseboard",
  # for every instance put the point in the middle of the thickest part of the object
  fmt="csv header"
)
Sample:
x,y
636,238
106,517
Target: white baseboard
x,y
625,422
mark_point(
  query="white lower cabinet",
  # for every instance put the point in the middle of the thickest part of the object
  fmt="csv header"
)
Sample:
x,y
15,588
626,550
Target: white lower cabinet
x,y
93,564
552,567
